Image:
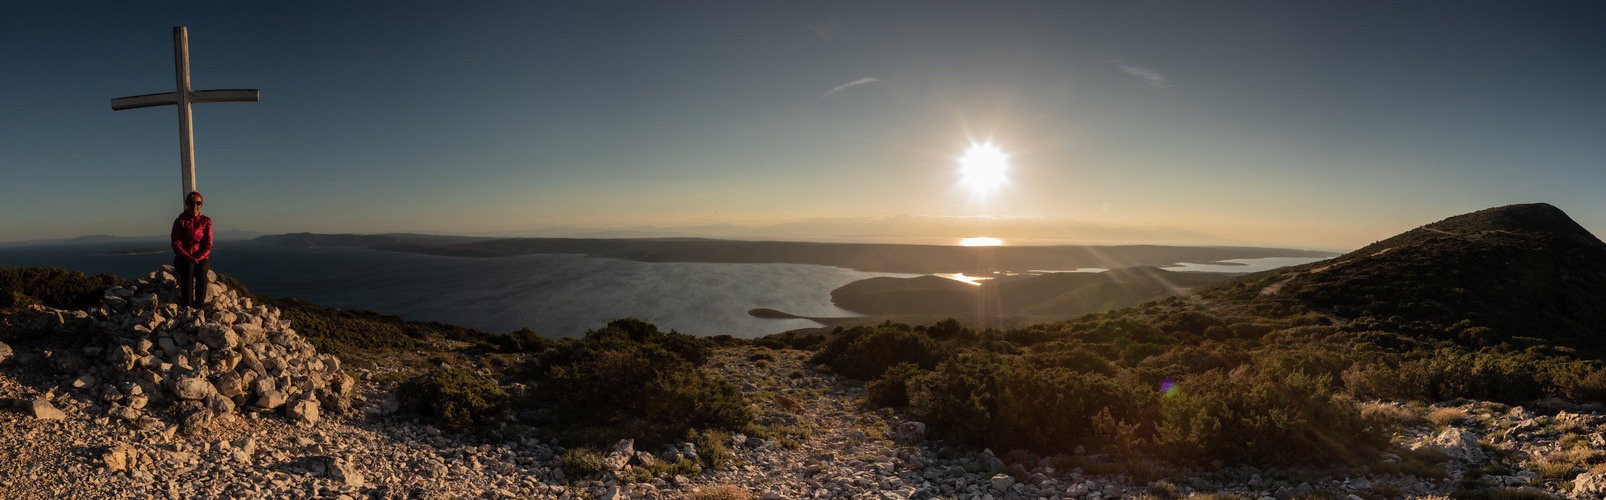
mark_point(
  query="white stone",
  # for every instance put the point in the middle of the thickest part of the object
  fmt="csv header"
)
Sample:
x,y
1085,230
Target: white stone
x,y
271,399
43,410
193,388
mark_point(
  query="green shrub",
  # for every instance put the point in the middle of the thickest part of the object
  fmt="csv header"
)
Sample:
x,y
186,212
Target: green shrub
x,y
629,372
711,450
1447,374
582,462
1247,416
455,398
963,399
865,353
762,355
523,340
1054,409
53,287
892,388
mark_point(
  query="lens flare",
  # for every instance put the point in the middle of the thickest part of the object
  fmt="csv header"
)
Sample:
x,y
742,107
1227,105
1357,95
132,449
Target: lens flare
x,y
1169,388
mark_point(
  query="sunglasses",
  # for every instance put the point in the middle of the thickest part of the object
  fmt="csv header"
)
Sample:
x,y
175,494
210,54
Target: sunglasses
x,y
196,203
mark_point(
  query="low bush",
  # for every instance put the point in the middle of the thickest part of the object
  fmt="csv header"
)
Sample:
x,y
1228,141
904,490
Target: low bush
x,y
892,388
963,399
52,287
865,353
629,374
455,398
1447,416
711,450
1248,416
1389,415
523,340
582,462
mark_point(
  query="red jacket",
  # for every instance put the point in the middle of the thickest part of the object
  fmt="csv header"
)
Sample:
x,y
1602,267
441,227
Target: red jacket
x,y
192,237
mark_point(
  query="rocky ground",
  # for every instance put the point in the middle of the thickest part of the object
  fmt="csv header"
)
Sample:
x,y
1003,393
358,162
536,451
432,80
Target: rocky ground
x,y
84,432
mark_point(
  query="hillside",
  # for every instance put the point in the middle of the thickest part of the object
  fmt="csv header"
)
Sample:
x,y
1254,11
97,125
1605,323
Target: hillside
x,y
1512,277
1051,294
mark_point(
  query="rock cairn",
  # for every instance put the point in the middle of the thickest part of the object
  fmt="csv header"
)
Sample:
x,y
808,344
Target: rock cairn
x,y
140,350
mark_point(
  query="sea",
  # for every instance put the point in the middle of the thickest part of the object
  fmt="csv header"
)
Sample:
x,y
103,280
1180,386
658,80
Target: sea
x,y
557,295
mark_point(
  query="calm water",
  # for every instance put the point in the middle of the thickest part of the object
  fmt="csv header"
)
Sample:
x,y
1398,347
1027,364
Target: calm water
x,y
1245,265
556,295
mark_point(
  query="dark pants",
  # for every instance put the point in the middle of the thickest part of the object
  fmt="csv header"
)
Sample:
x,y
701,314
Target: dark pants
x,y
191,280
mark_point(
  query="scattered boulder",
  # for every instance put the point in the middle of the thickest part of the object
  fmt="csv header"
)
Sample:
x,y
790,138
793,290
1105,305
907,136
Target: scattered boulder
x,y
125,457
344,472
43,410
1590,485
1457,443
303,411
912,432
619,455
6,354
1001,482
193,388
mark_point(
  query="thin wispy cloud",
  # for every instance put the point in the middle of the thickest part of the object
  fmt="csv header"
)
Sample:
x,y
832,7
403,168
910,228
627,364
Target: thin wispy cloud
x,y
861,81
1149,76
830,32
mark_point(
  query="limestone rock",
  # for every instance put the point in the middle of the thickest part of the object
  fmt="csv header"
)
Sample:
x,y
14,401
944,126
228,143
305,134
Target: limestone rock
x,y
43,410
1591,485
1458,443
193,388
228,384
194,415
345,473
219,404
303,410
6,354
125,457
1001,482
912,432
619,455
218,336
123,412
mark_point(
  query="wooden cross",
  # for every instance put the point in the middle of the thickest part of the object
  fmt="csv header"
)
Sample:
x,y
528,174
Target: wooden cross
x,y
182,98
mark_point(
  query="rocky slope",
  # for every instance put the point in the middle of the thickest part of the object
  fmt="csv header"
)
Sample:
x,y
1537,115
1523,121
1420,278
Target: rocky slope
x,y
64,438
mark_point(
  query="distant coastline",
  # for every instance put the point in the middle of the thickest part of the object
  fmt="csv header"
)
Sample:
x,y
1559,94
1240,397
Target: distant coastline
x,y
917,259
137,251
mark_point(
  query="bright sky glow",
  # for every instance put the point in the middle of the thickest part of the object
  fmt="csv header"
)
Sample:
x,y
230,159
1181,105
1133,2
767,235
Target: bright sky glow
x,y
1325,124
981,242
983,168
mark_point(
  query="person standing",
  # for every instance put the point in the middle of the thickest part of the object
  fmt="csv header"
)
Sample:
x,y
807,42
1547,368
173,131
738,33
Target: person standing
x,y
192,251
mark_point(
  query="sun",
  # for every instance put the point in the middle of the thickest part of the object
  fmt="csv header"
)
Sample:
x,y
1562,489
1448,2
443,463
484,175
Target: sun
x,y
983,167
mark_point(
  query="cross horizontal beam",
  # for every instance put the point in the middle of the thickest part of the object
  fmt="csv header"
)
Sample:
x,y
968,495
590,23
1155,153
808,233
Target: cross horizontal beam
x,y
196,96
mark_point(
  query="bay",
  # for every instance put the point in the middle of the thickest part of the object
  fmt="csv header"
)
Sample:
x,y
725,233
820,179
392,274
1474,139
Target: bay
x,y
555,295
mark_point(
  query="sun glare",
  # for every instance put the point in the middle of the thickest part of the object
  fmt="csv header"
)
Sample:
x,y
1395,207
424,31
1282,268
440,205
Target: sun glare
x,y
983,168
981,242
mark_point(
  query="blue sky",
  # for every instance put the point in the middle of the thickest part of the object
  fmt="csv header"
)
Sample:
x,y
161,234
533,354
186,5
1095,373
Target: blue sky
x,y
1309,124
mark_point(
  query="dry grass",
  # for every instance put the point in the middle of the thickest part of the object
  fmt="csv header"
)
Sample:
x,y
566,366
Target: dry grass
x,y
1548,469
1447,416
721,492
1390,412
787,404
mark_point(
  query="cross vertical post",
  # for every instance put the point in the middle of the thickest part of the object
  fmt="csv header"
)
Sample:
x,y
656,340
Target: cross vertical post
x,y
186,135
183,97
